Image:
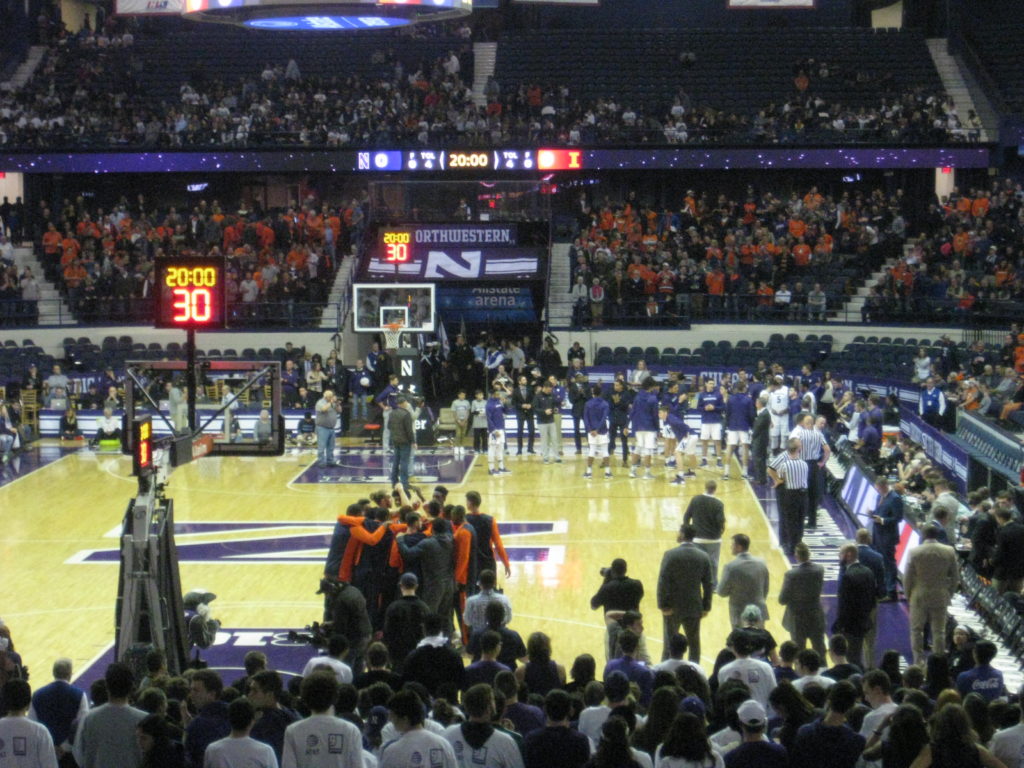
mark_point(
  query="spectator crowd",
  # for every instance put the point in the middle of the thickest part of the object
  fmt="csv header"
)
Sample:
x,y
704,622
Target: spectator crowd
x,y
90,94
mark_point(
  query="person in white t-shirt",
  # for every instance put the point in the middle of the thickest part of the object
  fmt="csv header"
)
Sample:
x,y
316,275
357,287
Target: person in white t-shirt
x,y
677,648
240,748
1007,744
321,740
877,693
415,747
477,742
757,674
337,648
24,743
808,665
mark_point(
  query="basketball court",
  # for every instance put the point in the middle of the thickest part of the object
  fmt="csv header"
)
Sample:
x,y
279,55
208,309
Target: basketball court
x,y
254,530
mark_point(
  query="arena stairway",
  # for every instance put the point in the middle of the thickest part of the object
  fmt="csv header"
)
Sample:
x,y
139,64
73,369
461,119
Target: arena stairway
x,y
958,86
485,56
53,308
851,309
559,314
340,296
26,69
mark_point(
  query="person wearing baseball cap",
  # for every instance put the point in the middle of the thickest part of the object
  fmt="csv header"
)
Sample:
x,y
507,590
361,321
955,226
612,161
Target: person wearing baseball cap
x,y
755,750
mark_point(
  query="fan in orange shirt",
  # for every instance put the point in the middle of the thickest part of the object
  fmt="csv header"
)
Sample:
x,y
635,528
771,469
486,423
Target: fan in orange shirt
x,y
979,208
813,200
51,241
69,243
960,240
797,227
296,258
801,254
74,274
715,281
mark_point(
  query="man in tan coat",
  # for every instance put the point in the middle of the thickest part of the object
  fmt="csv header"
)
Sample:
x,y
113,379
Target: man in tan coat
x,y
931,578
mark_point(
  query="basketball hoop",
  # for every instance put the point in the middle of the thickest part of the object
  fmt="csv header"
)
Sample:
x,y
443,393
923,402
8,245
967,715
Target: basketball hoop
x,y
392,334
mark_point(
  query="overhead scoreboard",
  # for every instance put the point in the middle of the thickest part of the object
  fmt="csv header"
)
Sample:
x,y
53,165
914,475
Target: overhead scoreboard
x,y
559,159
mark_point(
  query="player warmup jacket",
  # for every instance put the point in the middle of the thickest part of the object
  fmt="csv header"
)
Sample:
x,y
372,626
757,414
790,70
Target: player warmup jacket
x,y
596,413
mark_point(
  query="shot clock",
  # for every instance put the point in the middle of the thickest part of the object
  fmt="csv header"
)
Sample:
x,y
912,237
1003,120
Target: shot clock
x,y
190,293
142,446
397,246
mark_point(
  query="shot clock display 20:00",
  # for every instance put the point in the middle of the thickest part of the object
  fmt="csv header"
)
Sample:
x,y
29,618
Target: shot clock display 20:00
x,y
190,293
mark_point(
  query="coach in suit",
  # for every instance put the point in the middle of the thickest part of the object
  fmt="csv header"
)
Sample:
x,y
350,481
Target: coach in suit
x,y
759,437
931,578
1007,563
804,618
876,564
855,601
887,517
684,590
744,581
522,401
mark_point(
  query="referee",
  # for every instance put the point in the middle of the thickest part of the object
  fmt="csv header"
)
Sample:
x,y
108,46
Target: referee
x,y
790,474
815,451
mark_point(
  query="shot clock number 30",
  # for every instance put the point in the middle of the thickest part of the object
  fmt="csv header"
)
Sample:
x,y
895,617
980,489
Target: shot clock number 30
x,y
190,293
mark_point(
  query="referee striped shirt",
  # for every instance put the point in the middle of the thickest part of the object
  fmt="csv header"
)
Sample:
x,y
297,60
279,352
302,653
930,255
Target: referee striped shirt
x,y
812,443
792,471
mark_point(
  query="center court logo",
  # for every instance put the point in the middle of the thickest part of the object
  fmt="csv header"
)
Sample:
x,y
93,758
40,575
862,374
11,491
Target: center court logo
x,y
284,543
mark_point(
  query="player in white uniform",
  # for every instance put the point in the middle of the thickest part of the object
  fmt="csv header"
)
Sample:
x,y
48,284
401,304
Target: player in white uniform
x,y
477,743
321,740
778,408
415,747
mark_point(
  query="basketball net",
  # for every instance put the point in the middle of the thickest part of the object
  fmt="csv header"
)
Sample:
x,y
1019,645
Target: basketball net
x,y
392,334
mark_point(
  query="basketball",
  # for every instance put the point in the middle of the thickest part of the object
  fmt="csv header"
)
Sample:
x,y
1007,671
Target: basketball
x,y
364,381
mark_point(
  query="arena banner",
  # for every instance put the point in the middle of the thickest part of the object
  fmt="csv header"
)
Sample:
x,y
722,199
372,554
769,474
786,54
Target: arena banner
x,y
149,7
485,304
460,264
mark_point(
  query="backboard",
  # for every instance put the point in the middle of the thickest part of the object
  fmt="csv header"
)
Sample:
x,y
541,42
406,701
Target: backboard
x,y
407,303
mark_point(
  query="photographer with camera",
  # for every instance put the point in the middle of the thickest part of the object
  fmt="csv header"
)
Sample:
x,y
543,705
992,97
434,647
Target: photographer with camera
x,y
327,408
617,594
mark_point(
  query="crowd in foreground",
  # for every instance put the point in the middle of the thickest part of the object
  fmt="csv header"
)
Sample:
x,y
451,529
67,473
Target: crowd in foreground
x,y
425,657
424,661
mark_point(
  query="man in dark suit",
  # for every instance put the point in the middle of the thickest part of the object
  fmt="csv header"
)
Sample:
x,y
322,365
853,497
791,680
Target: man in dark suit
x,y
744,580
522,401
759,438
804,618
887,516
706,513
1007,563
579,393
855,602
684,590
874,561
